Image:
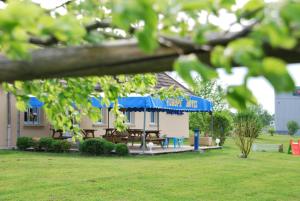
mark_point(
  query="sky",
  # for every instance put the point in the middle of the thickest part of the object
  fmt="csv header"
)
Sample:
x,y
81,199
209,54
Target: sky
x,y
260,87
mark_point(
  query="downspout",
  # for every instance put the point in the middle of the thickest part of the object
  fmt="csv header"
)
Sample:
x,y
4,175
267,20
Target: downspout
x,y
18,123
8,120
144,131
158,120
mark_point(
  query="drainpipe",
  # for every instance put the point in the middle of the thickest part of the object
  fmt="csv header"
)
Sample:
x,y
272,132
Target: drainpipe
x,y
18,123
8,120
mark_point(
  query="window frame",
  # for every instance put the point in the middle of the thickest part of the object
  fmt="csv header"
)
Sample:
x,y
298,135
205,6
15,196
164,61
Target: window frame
x,y
27,119
153,116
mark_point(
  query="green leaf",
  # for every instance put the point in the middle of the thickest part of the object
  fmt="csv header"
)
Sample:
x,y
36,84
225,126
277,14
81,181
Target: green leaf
x,y
219,59
276,73
186,65
240,96
21,105
291,12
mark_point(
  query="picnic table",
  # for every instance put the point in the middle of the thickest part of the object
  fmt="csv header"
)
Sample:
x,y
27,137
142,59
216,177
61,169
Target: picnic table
x,y
133,135
88,133
58,134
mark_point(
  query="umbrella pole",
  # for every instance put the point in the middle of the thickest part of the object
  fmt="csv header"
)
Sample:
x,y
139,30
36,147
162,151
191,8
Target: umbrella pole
x,y
108,110
144,131
212,123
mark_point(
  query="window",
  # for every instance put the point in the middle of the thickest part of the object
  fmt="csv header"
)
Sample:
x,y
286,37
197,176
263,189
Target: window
x,y
32,116
101,119
153,117
128,116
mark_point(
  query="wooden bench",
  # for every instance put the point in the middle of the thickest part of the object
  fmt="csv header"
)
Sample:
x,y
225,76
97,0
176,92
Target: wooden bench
x,y
204,141
268,147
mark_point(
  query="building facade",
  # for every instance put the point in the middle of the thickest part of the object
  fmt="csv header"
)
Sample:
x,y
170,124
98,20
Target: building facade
x,y
14,123
287,108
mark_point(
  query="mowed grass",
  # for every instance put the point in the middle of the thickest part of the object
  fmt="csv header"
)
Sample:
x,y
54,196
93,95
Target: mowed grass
x,y
213,175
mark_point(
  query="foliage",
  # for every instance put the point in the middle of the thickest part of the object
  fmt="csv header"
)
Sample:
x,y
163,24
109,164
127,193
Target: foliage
x,y
212,91
271,131
122,149
45,143
251,117
108,147
265,26
222,125
24,143
265,117
96,146
60,146
247,127
293,127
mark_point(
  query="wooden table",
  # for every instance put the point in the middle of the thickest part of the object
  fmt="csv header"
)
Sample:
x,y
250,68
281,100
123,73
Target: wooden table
x,y
87,132
58,132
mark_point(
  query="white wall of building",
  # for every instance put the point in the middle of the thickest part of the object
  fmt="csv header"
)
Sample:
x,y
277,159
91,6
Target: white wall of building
x,y
287,108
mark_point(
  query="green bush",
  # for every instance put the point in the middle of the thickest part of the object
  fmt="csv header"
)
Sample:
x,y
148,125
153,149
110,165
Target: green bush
x,y
46,143
108,147
293,127
271,131
222,125
36,144
60,146
24,142
247,127
250,117
93,146
122,149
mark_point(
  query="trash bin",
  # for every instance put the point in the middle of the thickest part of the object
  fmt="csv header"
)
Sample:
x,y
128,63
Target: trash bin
x,y
196,139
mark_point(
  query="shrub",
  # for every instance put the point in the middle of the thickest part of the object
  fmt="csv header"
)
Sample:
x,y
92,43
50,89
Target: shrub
x,y
24,142
94,146
271,131
247,128
46,143
122,149
36,144
252,118
60,145
293,127
222,125
108,147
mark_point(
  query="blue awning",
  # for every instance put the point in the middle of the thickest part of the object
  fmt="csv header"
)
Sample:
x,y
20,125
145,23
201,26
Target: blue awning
x,y
171,105
139,103
34,102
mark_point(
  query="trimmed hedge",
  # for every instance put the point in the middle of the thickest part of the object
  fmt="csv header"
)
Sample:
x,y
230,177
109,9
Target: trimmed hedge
x,y
60,146
122,149
24,143
96,146
46,143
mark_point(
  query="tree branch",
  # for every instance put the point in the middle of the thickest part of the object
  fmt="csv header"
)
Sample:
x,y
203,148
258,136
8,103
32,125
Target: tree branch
x,y
110,58
52,40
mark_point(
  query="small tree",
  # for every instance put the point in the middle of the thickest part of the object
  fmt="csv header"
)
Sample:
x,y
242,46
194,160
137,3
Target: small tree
x,y
293,127
271,131
222,125
247,128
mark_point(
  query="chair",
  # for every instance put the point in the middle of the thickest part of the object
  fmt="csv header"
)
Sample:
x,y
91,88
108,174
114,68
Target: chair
x,y
178,141
166,143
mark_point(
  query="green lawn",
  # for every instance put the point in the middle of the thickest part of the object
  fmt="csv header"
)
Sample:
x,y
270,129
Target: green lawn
x,y
214,175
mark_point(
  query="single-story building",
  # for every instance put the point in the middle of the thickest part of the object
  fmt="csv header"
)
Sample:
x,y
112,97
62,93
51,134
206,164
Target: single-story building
x,y
14,123
287,108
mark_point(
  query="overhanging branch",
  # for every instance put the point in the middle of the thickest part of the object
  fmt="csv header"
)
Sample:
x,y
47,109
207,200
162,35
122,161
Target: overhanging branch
x,y
111,58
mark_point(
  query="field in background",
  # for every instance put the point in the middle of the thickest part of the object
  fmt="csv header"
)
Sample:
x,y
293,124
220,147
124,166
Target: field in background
x,y
214,175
